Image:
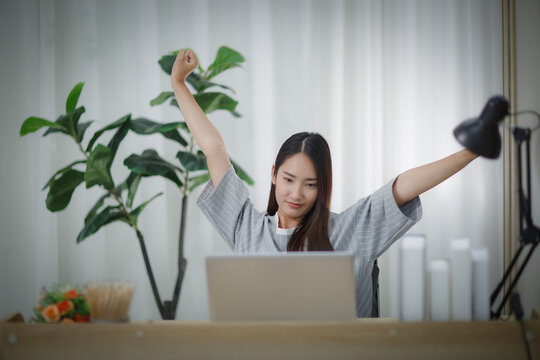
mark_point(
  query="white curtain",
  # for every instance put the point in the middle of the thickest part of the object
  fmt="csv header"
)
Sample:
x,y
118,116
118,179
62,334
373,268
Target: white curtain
x,y
384,81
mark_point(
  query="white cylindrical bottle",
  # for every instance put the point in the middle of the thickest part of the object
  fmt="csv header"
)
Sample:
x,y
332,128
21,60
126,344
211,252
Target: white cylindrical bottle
x,y
439,290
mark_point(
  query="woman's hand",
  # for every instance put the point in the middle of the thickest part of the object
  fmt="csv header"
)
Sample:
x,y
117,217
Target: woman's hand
x,y
185,63
206,135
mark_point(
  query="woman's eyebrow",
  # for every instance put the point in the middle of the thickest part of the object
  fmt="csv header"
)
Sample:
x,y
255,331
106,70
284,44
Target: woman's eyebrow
x,y
294,176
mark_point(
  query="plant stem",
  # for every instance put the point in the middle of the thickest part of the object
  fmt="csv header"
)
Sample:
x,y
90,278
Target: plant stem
x,y
133,224
150,273
182,262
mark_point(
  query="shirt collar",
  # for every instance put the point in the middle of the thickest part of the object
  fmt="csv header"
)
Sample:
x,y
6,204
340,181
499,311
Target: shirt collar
x,y
279,230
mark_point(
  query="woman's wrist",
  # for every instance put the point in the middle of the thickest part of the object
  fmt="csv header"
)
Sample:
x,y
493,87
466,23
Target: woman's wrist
x,y
468,155
177,84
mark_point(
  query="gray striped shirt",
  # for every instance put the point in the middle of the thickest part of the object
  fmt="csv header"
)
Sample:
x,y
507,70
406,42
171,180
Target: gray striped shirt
x,y
366,229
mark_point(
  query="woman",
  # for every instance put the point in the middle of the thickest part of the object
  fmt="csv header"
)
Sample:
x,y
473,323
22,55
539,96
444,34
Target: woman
x,y
298,217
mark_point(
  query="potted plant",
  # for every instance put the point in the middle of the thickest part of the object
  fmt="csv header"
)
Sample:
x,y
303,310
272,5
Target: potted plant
x,y
94,167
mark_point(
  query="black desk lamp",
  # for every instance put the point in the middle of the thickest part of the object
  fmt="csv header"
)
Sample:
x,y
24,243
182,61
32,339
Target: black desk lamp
x,y
481,136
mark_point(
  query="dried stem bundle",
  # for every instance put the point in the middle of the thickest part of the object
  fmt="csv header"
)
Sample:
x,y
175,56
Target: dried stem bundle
x,y
109,300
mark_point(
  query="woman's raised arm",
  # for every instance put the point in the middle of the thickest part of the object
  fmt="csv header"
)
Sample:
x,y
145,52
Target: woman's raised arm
x,y
414,182
206,135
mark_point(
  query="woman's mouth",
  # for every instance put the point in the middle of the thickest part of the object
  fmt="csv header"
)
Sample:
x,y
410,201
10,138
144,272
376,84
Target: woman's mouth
x,y
293,205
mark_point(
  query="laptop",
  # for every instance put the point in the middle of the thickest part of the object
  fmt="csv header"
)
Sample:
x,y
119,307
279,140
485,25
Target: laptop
x,y
306,286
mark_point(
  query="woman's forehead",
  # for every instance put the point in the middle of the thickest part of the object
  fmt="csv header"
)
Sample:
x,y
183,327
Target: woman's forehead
x,y
299,166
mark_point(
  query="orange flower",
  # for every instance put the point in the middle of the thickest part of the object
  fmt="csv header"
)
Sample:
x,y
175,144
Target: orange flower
x,y
50,313
71,294
82,318
38,306
64,306
67,321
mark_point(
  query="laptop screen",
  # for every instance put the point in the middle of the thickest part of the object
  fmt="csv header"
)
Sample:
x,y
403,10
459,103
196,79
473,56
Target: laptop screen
x,y
310,286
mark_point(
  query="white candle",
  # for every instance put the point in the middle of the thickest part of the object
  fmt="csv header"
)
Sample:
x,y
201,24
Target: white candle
x,y
480,284
413,278
460,257
439,290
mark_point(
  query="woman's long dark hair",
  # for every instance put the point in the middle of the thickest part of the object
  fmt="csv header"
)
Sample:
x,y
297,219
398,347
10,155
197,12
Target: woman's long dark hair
x,y
314,225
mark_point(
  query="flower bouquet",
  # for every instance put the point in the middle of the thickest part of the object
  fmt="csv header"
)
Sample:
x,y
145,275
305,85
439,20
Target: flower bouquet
x,y
61,304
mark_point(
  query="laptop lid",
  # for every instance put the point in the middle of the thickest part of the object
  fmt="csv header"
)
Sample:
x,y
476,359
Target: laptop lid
x,y
313,286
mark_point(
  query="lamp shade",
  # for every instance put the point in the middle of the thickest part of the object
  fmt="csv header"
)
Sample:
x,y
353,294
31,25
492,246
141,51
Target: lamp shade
x,y
481,135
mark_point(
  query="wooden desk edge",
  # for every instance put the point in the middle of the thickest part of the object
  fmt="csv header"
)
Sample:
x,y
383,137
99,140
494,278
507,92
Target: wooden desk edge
x,y
211,339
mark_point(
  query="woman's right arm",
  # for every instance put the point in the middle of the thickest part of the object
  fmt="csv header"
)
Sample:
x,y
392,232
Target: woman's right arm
x,y
206,135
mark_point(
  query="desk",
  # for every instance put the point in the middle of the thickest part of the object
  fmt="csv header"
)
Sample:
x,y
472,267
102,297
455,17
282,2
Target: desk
x,y
366,338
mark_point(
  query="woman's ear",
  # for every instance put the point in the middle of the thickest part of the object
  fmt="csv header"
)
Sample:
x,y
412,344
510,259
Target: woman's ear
x,y
273,175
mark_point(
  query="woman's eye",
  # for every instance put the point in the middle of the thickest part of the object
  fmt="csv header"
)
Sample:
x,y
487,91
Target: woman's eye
x,y
287,180
311,185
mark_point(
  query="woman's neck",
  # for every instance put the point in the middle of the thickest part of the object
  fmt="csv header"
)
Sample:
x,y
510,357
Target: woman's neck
x,y
285,222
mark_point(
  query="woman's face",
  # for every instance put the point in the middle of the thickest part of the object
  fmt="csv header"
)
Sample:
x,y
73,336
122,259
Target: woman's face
x,y
296,189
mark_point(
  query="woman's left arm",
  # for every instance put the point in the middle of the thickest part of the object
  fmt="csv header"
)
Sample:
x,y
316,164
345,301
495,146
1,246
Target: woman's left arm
x,y
414,182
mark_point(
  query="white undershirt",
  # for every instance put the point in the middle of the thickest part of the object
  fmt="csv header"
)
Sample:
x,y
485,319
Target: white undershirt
x,y
281,231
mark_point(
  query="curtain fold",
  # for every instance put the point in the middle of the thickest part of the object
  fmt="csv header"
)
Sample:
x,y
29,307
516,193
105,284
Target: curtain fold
x,y
384,82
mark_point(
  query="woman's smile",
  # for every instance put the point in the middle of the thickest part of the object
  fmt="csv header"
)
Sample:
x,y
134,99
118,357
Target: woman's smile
x,y
293,205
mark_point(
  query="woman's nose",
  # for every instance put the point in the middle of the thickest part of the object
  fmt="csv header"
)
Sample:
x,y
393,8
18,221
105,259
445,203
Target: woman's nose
x,y
296,192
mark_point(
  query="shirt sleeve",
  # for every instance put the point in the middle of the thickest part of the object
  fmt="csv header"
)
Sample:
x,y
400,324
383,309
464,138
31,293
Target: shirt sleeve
x,y
375,222
225,205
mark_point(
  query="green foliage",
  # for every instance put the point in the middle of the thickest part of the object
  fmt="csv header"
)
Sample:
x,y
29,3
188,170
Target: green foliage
x,y
62,188
151,164
144,126
106,216
112,126
190,172
73,97
191,161
98,168
34,124
135,213
212,101
95,170
226,58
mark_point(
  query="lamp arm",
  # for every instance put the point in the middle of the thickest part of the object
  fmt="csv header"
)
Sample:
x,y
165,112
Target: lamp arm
x,y
495,315
532,112
528,233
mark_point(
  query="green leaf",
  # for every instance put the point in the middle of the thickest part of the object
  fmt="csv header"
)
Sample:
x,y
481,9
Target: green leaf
x,y
144,126
167,61
32,124
192,162
182,125
98,168
117,191
161,98
201,85
118,137
135,213
226,58
68,121
242,174
107,216
61,171
81,129
198,180
132,189
93,211
114,125
212,101
60,190
73,97
151,164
